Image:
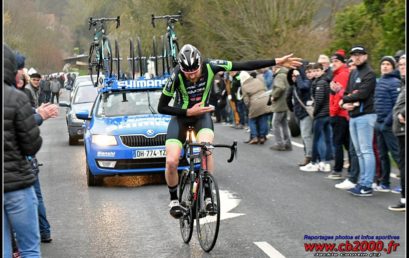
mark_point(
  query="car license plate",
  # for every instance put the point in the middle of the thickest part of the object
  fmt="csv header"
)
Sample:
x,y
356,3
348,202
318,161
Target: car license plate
x,y
149,154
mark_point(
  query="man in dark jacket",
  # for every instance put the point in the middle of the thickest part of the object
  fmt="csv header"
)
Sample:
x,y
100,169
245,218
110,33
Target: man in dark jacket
x,y
21,138
386,92
399,122
300,90
359,101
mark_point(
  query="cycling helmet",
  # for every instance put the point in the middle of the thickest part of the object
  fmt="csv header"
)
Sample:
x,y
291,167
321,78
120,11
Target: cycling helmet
x,y
189,58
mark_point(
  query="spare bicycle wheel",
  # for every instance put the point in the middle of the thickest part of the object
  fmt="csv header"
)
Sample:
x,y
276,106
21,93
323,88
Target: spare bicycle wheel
x,y
117,60
140,58
155,56
107,61
132,58
162,54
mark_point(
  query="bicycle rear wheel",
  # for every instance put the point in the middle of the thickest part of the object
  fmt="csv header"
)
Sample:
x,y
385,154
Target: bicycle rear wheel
x,y
208,218
185,200
117,60
155,55
132,58
140,58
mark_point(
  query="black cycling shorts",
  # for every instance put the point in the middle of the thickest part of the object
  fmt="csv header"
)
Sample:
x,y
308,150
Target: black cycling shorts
x,y
178,126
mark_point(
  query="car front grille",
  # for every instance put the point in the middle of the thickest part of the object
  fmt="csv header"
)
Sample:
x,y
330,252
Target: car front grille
x,y
143,141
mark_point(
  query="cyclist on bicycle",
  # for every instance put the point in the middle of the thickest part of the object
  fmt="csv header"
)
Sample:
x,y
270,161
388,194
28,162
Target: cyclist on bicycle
x,y
190,85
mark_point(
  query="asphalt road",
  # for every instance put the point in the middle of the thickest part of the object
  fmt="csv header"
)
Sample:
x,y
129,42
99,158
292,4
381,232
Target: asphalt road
x,y
269,206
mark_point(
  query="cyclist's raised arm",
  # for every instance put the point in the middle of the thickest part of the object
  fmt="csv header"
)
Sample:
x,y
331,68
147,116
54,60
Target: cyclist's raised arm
x,y
287,61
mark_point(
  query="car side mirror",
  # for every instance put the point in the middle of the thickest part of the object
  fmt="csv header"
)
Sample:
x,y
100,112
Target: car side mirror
x,y
83,114
64,104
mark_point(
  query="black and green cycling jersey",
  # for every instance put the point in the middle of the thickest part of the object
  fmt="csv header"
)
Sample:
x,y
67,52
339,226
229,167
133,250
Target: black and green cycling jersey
x,y
187,93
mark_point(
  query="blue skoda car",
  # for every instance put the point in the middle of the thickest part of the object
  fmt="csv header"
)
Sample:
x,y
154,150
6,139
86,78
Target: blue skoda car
x,y
124,134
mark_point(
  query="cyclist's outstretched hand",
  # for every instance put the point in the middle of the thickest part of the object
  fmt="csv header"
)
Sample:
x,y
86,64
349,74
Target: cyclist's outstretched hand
x,y
289,61
197,110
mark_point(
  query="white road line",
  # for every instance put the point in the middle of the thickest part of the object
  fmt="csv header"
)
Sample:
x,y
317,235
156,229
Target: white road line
x,y
269,250
297,144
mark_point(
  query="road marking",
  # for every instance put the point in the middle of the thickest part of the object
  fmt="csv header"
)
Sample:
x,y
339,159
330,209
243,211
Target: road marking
x,y
269,250
297,144
227,203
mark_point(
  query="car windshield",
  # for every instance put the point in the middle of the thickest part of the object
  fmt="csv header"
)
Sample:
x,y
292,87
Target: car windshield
x,y
85,94
128,103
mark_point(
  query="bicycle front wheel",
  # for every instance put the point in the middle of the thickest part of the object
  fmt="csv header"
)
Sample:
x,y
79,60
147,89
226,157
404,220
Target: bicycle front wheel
x,y
208,212
185,200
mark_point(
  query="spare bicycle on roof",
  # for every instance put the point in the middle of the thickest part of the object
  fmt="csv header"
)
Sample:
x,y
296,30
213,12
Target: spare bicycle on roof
x,y
100,59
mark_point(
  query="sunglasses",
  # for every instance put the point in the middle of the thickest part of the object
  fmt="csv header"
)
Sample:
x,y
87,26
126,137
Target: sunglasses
x,y
190,71
35,80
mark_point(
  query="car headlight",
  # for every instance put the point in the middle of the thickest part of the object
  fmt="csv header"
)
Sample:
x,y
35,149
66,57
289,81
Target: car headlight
x,y
104,140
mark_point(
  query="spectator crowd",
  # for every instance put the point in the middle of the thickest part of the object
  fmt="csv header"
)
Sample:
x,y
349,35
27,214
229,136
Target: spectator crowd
x,y
348,118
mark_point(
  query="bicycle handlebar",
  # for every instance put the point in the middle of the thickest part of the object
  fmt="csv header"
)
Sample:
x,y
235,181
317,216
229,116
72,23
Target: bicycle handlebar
x,y
233,148
93,21
169,18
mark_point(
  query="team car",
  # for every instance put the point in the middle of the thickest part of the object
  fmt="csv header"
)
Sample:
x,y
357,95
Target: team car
x,y
123,132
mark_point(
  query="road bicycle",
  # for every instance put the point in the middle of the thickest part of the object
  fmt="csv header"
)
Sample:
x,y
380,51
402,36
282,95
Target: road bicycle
x,y
196,187
169,42
100,59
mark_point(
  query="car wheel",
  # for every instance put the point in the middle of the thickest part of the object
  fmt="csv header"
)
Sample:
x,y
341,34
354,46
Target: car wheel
x,y
91,179
72,140
293,124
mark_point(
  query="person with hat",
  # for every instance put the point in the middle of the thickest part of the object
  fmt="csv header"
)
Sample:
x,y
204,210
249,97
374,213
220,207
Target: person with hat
x,y
358,99
386,92
34,89
338,116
